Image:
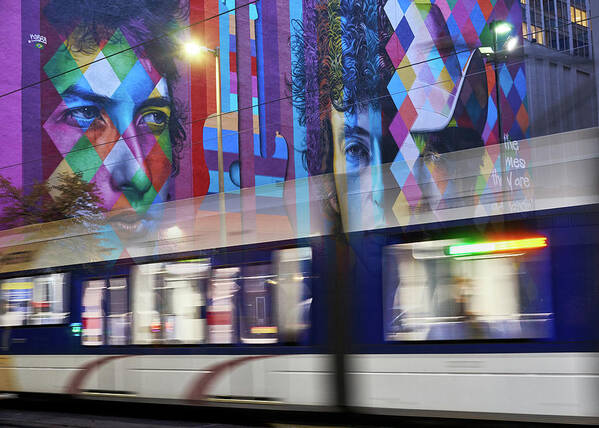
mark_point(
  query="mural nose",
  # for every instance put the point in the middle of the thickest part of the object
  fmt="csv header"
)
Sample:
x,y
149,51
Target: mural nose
x,y
130,173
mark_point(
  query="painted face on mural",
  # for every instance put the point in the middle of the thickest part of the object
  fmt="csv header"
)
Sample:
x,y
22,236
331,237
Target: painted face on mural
x,y
112,126
357,167
400,89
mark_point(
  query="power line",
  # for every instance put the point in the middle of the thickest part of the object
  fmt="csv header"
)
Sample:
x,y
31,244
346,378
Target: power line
x,y
167,34
284,98
240,132
557,27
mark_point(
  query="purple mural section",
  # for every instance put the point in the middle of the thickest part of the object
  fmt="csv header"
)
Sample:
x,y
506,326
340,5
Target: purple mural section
x,y
11,100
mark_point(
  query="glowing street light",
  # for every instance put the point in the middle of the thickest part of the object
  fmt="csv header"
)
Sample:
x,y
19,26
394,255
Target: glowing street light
x,y
501,27
193,49
511,43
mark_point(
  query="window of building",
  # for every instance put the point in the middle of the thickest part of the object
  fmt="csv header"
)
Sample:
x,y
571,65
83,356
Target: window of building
x,y
537,34
550,38
34,300
578,16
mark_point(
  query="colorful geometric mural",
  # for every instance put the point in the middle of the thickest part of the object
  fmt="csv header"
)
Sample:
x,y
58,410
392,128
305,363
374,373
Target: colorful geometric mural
x,y
267,169
441,81
372,95
96,129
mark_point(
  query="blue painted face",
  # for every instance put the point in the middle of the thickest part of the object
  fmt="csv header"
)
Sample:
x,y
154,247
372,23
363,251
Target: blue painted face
x,y
357,165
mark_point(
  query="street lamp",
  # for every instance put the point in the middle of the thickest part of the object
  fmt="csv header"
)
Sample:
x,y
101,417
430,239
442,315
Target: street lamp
x,y
511,43
192,49
500,28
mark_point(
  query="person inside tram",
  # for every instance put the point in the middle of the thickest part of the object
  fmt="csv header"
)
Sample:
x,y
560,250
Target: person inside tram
x,y
118,122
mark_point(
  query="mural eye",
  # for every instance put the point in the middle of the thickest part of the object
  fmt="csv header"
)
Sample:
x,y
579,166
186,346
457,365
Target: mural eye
x,y
156,120
357,156
84,115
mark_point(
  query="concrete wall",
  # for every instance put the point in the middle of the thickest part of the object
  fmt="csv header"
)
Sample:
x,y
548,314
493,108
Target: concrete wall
x,y
562,91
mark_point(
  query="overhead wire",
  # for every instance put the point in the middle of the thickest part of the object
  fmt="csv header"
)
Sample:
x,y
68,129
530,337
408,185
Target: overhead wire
x,y
253,106
161,36
239,132
389,95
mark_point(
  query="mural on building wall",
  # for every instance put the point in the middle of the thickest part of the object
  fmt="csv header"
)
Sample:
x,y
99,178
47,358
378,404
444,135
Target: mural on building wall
x,y
376,93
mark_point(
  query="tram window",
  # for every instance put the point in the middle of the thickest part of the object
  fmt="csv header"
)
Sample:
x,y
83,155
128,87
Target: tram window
x,y
429,295
104,313
293,269
258,323
262,303
221,311
92,313
169,302
189,302
33,300
118,312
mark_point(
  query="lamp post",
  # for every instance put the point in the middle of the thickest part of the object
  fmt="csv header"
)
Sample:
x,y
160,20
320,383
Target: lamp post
x,y
497,28
193,49
500,28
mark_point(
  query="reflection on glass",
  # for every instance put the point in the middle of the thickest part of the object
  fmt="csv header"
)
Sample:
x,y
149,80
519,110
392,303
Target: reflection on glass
x,y
169,303
258,317
293,293
92,313
221,312
429,295
33,300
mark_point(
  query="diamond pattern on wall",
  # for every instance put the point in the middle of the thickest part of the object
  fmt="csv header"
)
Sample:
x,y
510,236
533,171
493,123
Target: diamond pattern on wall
x,y
102,77
55,67
440,71
116,73
84,159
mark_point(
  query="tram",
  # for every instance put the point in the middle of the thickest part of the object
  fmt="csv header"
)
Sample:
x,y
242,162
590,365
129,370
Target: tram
x,y
484,309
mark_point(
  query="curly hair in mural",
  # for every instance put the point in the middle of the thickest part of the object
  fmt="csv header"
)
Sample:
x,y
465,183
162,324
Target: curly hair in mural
x,y
341,64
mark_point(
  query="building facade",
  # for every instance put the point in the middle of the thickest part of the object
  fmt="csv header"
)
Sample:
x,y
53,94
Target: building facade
x,y
559,56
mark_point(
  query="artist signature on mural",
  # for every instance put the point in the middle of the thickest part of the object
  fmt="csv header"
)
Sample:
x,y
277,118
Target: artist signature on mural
x,y
38,41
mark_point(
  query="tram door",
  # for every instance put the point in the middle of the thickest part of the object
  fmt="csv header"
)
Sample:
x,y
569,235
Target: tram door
x,y
221,313
105,320
258,323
